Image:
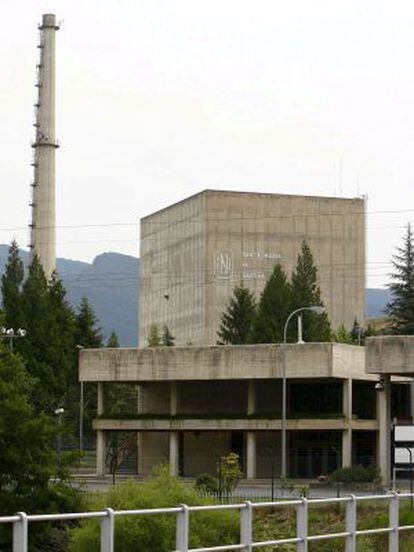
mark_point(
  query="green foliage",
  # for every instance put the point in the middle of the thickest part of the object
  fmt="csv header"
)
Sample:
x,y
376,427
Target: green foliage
x,y
168,340
155,532
237,320
343,336
306,293
359,474
112,341
154,338
28,459
401,307
274,307
88,334
11,285
229,472
207,483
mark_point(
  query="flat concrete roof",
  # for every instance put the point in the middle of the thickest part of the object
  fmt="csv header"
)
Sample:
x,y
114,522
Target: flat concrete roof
x,y
246,193
391,354
236,362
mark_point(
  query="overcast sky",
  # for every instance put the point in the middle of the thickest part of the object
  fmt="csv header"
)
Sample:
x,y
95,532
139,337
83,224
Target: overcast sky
x,y
159,99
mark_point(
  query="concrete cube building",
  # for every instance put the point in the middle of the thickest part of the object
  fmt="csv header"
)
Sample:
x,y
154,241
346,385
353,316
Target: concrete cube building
x,y
193,254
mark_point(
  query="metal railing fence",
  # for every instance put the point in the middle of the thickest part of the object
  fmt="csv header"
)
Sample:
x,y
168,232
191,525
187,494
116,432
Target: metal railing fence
x,y
21,522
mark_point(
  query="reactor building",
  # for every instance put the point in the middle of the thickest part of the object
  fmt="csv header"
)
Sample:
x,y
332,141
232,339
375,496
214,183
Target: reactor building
x,y
194,253
42,225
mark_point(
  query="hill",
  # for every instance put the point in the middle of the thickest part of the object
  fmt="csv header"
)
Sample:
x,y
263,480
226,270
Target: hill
x,y
110,283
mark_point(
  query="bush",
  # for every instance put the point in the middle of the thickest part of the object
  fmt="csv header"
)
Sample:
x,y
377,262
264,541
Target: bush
x,y
207,483
359,474
154,532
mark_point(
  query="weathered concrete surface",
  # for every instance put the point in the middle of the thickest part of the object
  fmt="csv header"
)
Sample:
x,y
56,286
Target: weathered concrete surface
x,y
243,424
193,254
392,355
310,360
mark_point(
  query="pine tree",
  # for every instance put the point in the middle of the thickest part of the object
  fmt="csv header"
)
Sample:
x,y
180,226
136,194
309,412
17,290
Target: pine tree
x,y
88,334
274,308
11,287
154,338
306,293
401,307
112,341
237,320
167,340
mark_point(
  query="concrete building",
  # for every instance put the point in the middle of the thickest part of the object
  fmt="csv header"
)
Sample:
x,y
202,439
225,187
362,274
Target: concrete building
x,y
189,405
193,254
42,226
388,357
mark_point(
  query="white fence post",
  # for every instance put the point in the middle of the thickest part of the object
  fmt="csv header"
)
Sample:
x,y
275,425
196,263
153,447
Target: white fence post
x,y
302,526
20,533
181,535
351,524
394,514
108,531
246,526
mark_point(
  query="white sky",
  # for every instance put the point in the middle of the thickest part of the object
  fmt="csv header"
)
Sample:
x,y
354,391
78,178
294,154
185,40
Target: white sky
x,y
159,99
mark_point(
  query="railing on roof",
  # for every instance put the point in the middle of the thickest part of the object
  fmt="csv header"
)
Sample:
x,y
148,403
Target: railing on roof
x,y
21,522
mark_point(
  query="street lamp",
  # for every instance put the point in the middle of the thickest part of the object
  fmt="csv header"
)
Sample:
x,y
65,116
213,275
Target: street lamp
x,y
316,309
11,334
59,413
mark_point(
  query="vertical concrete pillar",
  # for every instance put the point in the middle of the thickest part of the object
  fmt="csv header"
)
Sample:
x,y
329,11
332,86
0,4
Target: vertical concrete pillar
x,y
251,455
251,397
139,435
412,400
173,398
100,434
384,437
100,453
347,432
101,399
174,452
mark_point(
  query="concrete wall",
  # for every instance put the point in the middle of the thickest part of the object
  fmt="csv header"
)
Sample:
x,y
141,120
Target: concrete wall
x,y
390,355
153,450
172,271
155,398
201,451
225,238
310,360
212,397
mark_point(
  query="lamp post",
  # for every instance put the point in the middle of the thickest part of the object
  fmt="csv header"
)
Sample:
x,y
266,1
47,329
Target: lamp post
x,y
11,334
59,413
316,309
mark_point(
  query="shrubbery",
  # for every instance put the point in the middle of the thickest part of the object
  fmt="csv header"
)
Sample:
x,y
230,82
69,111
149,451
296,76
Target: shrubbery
x,y
154,532
359,474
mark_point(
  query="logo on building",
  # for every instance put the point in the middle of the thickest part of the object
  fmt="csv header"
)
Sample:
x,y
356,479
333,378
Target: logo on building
x,y
223,265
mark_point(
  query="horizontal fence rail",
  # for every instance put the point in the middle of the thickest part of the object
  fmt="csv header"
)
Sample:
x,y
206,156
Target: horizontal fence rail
x,y
21,522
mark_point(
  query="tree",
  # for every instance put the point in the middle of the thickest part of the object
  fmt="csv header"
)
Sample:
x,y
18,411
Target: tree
x,y
154,338
401,307
28,459
11,285
305,293
237,320
167,340
274,308
88,334
113,342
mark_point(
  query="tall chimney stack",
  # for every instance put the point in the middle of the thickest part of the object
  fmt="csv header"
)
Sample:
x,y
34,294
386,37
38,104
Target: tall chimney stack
x,y
42,227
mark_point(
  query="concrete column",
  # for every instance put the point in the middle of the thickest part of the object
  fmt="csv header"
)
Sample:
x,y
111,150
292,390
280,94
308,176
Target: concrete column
x,y
251,455
100,453
347,432
173,398
174,452
139,435
412,400
101,435
251,397
384,437
101,399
